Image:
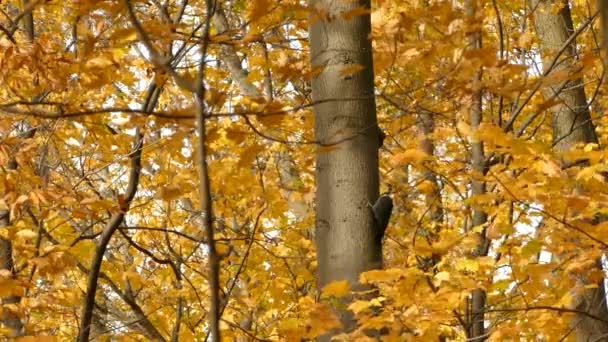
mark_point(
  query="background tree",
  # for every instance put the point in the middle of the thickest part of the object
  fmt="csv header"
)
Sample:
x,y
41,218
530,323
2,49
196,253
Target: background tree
x,y
571,125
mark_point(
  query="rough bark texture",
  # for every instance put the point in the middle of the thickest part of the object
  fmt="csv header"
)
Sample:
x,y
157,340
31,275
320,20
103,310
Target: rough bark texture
x,y
571,124
345,119
570,121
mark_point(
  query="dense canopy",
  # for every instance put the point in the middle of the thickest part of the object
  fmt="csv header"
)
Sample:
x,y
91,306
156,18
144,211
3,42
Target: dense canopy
x,y
179,170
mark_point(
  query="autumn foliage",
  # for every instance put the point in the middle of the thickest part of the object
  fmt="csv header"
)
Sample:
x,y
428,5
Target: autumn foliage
x,y
99,98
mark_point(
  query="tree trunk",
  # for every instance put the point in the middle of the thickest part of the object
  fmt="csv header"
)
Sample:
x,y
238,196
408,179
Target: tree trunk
x,y
432,199
571,124
9,319
347,162
477,302
603,8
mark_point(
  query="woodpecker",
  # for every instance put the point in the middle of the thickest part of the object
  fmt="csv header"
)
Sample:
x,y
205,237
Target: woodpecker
x,y
381,211
381,136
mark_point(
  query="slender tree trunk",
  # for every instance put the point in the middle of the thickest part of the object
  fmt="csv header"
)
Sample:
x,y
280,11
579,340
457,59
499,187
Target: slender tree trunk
x,y
571,124
603,8
345,122
9,319
476,306
432,199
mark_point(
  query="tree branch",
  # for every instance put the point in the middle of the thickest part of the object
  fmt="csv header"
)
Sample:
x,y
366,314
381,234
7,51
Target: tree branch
x,y
106,235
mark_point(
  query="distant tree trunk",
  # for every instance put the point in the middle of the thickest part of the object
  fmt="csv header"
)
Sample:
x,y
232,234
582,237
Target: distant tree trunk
x,y
345,121
9,319
603,8
571,121
476,305
571,124
432,199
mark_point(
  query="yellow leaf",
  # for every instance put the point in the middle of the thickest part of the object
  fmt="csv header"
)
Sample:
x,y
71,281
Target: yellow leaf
x,y
387,275
237,136
525,40
359,305
335,289
549,168
169,192
22,199
99,62
566,299
322,319
35,339
464,128
349,70
355,12
124,35
270,120
26,234
441,277
258,8
215,98
222,248
426,187
411,156
591,147
249,154
465,264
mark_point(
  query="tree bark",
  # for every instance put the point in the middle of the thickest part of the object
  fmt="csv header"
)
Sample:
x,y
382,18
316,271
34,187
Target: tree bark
x,y
9,319
477,302
432,199
347,162
603,8
571,124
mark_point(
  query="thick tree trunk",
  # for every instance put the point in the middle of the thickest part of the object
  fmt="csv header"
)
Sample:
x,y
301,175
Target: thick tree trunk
x,y
571,124
571,121
345,122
